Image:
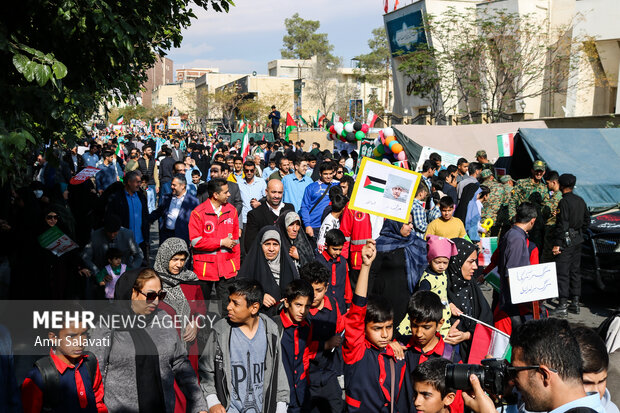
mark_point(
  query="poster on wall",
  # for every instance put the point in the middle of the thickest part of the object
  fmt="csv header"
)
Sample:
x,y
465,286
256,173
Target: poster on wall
x,y
385,190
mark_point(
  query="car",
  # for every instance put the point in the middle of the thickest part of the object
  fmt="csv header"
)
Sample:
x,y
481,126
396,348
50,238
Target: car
x,y
601,249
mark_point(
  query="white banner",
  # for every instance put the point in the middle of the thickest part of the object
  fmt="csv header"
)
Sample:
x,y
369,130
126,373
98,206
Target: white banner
x,y
533,282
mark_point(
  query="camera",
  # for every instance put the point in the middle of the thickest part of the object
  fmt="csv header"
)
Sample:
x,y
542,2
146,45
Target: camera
x,y
492,373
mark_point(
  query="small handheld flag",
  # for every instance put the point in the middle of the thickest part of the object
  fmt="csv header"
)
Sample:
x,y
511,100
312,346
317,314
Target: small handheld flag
x,y
290,125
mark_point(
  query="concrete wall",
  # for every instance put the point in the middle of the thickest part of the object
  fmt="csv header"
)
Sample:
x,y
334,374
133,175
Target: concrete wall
x,y
160,74
182,95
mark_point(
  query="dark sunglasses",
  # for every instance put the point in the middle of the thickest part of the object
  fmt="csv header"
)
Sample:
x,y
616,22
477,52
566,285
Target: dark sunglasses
x,y
248,170
54,217
513,371
152,295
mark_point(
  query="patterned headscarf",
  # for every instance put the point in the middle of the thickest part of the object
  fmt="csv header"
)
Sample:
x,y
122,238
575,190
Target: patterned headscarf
x,y
459,289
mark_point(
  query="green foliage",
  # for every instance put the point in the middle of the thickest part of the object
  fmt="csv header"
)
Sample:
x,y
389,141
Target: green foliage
x,y
302,42
62,59
375,67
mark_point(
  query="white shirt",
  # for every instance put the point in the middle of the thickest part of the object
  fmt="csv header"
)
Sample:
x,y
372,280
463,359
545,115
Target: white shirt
x,y
173,210
277,210
330,222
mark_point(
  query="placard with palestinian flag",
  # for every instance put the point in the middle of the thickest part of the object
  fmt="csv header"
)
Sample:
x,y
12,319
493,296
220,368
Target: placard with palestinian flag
x,y
506,144
384,189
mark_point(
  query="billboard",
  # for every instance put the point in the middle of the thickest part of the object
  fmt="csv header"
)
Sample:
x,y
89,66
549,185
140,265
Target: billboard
x,y
405,32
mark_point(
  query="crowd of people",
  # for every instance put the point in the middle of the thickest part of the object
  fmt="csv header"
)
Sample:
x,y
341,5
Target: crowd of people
x,y
316,300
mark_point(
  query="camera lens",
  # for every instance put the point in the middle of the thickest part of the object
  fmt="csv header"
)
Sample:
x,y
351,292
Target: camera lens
x,y
457,375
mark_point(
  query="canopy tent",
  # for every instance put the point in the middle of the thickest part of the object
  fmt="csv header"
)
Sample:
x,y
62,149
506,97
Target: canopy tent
x,y
592,155
463,140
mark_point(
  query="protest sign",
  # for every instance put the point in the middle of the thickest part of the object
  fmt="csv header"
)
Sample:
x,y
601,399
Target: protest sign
x,y
174,122
533,282
447,158
56,241
84,175
385,190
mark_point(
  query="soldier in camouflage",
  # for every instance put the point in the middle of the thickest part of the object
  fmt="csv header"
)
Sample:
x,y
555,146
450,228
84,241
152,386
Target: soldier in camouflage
x,y
482,159
549,214
498,198
535,191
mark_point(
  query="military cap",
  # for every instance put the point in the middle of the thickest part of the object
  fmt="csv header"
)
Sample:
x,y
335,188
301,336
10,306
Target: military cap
x,y
539,166
486,173
505,179
481,153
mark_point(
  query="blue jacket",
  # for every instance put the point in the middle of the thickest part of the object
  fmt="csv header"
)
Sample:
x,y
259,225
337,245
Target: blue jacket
x,y
181,226
311,195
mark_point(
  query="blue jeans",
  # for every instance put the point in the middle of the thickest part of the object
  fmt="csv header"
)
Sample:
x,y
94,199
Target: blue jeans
x,y
150,198
164,189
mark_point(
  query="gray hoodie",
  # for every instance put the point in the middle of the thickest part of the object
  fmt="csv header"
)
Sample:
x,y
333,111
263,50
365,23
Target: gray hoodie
x,y
215,367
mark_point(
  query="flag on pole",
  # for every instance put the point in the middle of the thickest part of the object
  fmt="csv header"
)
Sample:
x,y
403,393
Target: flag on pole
x,y
385,5
290,125
118,152
301,118
320,116
120,120
241,125
245,143
371,118
488,341
505,144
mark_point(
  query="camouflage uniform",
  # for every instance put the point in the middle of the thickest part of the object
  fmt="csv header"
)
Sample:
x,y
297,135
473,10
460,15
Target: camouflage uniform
x,y
497,198
526,190
549,214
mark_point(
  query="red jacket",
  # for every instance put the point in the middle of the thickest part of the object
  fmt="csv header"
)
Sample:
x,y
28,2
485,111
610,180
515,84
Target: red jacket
x,y
206,230
355,226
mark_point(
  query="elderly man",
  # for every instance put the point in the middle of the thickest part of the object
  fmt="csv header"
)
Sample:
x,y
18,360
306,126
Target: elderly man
x,y
174,210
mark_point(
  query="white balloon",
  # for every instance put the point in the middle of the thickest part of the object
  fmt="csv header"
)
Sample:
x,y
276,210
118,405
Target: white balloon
x,y
377,142
348,127
338,127
388,132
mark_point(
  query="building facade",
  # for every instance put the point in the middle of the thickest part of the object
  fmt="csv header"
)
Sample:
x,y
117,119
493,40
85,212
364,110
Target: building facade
x,y
160,74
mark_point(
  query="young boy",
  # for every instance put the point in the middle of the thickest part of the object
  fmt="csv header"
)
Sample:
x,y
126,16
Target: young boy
x,y
429,384
339,287
595,362
241,366
327,326
373,375
112,271
332,220
68,380
418,210
295,337
446,226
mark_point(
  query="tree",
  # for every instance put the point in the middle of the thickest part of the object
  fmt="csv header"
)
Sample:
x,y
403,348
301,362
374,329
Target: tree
x,y
375,67
62,59
324,85
302,42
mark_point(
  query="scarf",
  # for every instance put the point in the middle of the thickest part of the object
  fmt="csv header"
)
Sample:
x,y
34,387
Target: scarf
x,y
148,375
171,282
304,249
274,264
390,239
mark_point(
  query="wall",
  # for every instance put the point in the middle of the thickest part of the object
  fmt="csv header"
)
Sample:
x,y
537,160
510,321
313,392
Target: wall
x,y
160,74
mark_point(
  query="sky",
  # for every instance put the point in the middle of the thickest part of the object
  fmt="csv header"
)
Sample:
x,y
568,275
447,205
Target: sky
x,y
250,34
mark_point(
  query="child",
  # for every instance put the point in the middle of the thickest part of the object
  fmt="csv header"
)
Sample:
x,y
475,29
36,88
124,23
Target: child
x,y
114,269
295,337
327,326
373,375
339,287
446,226
429,384
332,220
434,277
196,178
418,210
595,362
68,380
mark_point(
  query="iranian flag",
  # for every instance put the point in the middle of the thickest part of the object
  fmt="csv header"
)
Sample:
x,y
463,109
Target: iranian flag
x,y
385,5
336,117
371,118
505,144
488,341
301,118
488,247
320,116
118,152
241,125
290,125
245,142
120,120
374,184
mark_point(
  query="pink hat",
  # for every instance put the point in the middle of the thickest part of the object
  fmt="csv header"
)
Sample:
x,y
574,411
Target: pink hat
x,y
440,247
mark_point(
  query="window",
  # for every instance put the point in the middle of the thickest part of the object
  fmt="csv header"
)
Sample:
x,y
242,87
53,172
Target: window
x,y
169,101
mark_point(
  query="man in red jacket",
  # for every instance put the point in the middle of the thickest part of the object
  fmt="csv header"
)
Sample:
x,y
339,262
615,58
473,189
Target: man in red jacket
x,y
355,226
214,237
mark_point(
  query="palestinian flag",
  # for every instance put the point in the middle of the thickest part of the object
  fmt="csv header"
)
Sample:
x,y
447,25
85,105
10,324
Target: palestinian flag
x,y
290,125
505,144
120,120
245,142
374,184
371,118
301,118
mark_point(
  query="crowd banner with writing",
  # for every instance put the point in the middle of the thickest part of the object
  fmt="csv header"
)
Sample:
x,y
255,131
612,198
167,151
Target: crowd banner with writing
x,y
56,241
533,282
385,190
84,175
174,122
447,158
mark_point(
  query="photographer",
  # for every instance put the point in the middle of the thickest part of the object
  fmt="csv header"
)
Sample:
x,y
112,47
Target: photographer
x,y
546,369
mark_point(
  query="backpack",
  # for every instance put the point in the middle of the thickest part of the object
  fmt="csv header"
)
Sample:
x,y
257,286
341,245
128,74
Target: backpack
x,y
51,379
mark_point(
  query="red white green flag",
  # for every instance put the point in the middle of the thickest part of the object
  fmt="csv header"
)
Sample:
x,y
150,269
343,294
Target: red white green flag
x,y
245,142
320,116
488,247
505,144
290,125
371,118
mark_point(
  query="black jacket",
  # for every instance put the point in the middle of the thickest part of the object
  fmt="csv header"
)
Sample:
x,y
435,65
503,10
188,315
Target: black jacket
x,y
261,217
572,215
166,169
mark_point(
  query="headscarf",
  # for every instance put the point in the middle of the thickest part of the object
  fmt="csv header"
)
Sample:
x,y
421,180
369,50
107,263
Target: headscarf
x,y
304,249
172,283
256,267
147,374
274,264
391,239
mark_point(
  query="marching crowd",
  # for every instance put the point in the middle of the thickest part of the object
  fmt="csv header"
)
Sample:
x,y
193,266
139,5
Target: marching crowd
x,y
316,298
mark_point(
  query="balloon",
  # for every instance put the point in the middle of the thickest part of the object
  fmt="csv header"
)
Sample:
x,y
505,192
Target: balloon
x,y
377,142
389,139
348,127
391,145
357,126
338,128
329,125
386,160
329,136
402,156
397,147
350,137
380,149
331,129
365,128
388,132
359,135
344,133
